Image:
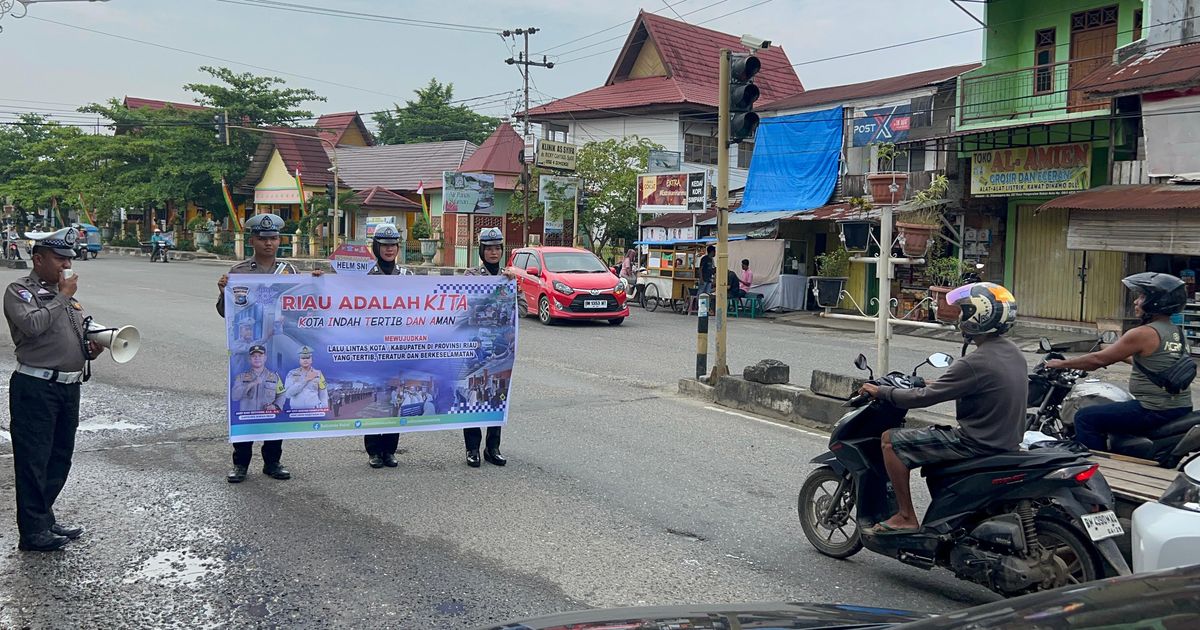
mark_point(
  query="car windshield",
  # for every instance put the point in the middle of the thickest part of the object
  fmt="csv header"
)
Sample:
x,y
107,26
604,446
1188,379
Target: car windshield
x,y
573,262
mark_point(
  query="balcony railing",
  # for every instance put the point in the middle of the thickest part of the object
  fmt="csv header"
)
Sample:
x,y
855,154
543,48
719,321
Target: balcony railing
x,y
1027,92
856,185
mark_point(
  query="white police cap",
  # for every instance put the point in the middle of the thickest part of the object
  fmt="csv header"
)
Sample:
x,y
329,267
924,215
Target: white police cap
x,y
61,242
386,234
265,224
490,236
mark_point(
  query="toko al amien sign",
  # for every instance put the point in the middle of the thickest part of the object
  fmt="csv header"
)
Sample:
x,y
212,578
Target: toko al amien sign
x,y
1052,169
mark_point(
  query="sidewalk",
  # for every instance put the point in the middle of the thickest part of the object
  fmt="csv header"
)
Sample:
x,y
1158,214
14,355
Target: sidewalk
x,y
303,264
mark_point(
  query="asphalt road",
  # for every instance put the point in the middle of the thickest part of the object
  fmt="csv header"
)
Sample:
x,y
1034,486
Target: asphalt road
x,y
618,491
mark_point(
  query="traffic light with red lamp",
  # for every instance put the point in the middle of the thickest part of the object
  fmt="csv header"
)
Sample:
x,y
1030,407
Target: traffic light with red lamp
x,y
742,94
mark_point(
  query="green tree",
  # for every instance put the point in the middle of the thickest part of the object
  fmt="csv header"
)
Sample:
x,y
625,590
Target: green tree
x,y
608,172
433,117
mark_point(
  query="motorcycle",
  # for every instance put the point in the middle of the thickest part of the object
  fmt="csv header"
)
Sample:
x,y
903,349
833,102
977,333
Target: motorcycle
x,y
160,252
1015,523
1056,395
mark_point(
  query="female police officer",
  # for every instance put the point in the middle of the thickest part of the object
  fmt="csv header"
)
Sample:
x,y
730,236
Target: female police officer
x,y
385,244
491,252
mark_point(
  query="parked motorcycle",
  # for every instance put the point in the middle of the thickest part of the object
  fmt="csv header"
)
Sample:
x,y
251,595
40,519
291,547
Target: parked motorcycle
x,y
1056,395
1016,522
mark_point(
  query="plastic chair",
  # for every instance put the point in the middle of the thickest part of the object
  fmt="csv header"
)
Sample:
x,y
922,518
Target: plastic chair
x,y
693,302
733,307
753,302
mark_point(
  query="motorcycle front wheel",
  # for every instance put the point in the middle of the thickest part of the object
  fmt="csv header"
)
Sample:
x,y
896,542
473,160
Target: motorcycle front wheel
x,y
834,532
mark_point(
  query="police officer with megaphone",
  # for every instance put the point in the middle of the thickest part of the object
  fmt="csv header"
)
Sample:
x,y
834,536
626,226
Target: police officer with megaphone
x,y
47,327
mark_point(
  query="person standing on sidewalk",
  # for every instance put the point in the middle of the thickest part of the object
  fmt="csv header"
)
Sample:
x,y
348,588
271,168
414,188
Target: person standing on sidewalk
x,y
385,244
708,270
264,239
47,327
491,252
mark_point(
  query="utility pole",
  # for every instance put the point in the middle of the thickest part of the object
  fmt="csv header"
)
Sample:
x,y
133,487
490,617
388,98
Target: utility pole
x,y
523,60
721,367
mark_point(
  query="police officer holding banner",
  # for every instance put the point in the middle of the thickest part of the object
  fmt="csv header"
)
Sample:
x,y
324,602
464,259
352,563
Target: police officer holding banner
x,y
264,239
47,327
491,252
385,244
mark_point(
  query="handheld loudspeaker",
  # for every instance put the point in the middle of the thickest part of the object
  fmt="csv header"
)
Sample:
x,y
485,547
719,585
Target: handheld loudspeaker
x,y
122,343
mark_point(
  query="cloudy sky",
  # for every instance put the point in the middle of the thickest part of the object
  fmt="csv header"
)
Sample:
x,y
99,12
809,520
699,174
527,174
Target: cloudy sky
x,y
65,54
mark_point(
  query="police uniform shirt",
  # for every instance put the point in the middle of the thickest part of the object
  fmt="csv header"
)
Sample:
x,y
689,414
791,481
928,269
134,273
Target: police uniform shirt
x,y
481,270
305,394
254,392
46,326
396,271
252,266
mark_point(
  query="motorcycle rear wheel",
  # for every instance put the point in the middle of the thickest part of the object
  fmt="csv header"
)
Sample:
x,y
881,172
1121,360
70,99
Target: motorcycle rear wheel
x,y
816,495
1069,549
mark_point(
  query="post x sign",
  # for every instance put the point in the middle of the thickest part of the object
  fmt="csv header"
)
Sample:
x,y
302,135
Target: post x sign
x,y
886,124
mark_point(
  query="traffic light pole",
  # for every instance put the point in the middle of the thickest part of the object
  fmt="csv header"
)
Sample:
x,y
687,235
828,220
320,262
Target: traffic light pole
x,y
720,367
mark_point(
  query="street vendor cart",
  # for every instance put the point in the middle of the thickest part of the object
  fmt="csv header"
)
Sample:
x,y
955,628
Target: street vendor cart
x,y
670,275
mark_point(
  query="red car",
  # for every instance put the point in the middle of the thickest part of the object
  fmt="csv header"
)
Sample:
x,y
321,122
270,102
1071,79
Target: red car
x,y
567,283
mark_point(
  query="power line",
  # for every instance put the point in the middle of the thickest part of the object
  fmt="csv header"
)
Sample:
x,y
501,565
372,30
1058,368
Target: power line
x,y
366,17
605,41
605,30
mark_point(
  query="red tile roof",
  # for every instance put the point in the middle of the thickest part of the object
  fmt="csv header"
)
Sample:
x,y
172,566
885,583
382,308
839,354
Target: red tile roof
x,y
133,102
1152,71
678,219
379,197
690,55
334,126
877,87
1139,197
498,155
305,154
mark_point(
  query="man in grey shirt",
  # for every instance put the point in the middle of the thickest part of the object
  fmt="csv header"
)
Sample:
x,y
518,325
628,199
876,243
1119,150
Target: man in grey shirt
x,y
990,387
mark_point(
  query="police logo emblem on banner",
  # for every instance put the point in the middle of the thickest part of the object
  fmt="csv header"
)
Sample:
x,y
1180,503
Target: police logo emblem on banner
x,y
240,294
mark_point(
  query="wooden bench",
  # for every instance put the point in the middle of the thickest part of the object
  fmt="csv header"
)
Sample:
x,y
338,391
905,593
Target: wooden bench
x,y
1134,480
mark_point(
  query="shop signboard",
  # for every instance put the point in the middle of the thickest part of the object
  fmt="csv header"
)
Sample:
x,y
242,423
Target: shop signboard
x,y
885,124
468,193
559,156
662,193
1038,170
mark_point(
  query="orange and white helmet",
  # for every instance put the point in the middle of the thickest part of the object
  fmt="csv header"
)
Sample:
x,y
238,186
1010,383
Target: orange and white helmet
x,y
987,309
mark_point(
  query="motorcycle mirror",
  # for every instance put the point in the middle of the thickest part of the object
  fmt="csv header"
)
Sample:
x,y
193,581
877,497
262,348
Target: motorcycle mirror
x,y
940,360
1044,345
861,362
1109,336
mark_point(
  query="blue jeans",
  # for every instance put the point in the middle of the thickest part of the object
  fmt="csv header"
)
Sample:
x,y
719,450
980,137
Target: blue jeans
x,y
1093,424
707,287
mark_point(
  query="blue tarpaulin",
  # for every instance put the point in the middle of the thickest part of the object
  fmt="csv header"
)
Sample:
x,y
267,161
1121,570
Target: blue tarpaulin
x,y
795,162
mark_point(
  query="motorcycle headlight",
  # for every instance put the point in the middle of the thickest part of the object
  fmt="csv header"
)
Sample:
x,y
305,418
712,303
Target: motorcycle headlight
x,y
1183,493
562,287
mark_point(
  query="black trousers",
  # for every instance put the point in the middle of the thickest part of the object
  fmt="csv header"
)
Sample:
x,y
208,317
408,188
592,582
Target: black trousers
x,y
473,435
272,450
44,417
383,444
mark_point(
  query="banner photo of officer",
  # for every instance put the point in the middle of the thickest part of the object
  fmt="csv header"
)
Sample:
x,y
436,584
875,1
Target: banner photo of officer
x,y
342,355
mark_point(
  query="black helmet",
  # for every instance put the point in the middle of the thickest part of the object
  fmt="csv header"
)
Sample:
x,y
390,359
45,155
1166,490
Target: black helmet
x,y
987,309
1165,294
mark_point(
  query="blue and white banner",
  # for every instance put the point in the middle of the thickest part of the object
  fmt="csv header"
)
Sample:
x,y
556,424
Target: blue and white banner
x,y
886,124
343,355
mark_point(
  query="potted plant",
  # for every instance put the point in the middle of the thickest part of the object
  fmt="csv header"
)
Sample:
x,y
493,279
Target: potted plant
x,y
856,233
422,232
886,178
918,225
198,226
945,273
833,268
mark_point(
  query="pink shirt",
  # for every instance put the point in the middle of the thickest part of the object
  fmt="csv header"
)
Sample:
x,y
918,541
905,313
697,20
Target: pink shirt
x,y
747,278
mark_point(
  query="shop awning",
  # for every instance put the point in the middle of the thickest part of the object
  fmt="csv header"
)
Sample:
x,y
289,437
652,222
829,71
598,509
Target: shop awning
x,y
1138,197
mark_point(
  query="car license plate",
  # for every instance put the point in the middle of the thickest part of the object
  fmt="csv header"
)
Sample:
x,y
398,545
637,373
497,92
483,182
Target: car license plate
x,y
595,304
1102,525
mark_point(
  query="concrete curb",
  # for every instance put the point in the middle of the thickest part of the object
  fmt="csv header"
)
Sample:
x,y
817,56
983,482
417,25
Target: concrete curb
x,y
302,264
789,403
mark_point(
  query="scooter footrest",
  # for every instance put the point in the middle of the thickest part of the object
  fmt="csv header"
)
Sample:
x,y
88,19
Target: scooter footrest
x,y
916,560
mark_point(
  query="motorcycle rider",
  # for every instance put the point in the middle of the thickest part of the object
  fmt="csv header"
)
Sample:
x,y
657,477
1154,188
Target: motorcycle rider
x,y
157,242
1154,346
989,387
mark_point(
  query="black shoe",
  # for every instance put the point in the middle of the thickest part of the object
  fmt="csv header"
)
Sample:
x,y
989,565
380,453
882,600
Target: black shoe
x,y
389,460
493,456
42,541
72,533
473,458
276,471
237,475
375,461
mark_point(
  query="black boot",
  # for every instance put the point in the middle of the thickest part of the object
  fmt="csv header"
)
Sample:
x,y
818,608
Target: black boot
x,y
473,458
389,460
42,541
276,471
237,474
493,456
375,461
58,529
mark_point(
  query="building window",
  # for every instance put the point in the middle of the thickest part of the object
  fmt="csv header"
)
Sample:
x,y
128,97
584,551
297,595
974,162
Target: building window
x,y
555,132
699,149
1137,24
1043,56
1095,18
745,151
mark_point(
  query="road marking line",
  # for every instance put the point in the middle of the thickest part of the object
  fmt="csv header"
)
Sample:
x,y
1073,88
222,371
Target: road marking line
x,y
777,423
